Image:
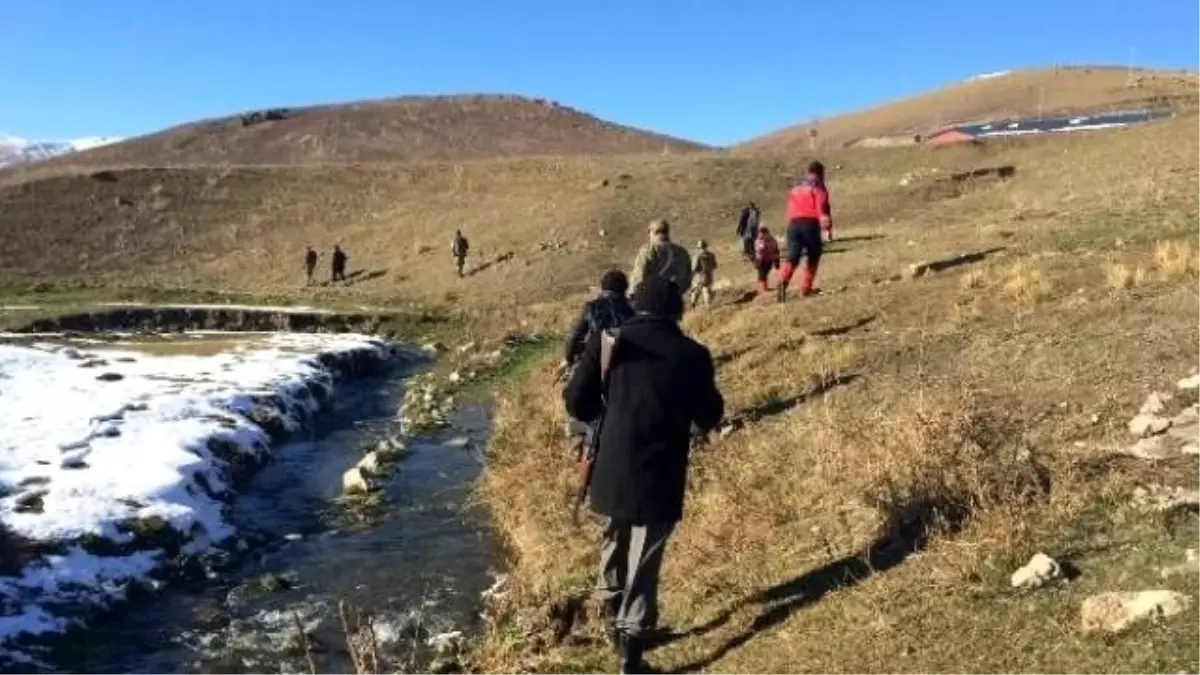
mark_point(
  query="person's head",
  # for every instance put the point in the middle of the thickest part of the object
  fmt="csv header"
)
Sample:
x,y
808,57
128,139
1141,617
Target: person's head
x,y
660,229
656,296
815,170
337,247
764,232
702,245
458,233
615,282
753,205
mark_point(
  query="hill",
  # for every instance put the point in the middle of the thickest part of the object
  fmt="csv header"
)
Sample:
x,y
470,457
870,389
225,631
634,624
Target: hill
x,y
441,128
893,449
1007,95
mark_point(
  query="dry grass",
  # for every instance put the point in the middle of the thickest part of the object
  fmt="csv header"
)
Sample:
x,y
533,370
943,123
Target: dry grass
x,y
1066,91
900,446
1122,277
1177,259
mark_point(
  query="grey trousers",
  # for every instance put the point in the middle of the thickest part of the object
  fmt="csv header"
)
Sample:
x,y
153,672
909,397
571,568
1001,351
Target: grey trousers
x,y
630,560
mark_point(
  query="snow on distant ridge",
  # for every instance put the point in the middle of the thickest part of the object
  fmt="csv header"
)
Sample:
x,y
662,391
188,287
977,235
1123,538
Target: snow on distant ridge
x,y
988,76
16,150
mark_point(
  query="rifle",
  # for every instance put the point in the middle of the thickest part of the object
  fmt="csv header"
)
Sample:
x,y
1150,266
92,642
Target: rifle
x,y
587,450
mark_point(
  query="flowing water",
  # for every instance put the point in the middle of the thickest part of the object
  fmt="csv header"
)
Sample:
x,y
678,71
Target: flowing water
x,y
418,564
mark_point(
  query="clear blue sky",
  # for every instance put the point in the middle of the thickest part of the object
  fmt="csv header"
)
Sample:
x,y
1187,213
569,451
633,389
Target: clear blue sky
x,y
713,70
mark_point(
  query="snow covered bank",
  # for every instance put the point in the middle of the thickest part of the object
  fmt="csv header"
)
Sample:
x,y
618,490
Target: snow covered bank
x,y
178,318
113,463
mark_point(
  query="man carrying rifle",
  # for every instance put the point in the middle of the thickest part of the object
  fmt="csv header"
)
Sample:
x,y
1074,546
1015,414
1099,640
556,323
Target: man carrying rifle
x,y
658,383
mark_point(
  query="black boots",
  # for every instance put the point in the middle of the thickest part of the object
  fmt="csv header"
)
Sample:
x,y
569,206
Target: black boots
x,y
631,650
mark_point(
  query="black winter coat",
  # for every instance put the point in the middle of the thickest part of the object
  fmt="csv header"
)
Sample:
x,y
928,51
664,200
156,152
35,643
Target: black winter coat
x,y
661,382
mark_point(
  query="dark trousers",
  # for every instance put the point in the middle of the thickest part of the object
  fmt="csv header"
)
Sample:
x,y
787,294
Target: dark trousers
x,y
803,241
748,248
339,274
763,267
631,558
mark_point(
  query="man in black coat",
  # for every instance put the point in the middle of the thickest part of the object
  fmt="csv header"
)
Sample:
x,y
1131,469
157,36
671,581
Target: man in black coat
x,y
659,384
747,229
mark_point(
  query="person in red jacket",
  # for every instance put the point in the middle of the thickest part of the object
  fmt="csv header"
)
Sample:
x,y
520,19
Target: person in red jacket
x,y
766,256
808,215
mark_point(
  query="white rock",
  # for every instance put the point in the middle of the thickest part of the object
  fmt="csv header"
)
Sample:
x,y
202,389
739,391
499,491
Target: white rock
x,y
1095,418
356,481
467,347
389,449
1115,611
369,463
1191,382
458,442
293,536
446,643
1154,447
1163,498
454,378
1190,565
1190,449
1155,404
1185,417
1148,425
722,284
1039,571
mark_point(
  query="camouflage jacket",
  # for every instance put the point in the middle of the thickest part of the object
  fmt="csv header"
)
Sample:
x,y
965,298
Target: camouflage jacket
x,y
665,259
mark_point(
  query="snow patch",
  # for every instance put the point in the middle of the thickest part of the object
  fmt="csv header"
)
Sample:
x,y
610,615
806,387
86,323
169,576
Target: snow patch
x,y
91,445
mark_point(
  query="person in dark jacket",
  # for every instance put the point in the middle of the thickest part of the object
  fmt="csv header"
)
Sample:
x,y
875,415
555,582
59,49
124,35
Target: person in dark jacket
x,y
747,229
660,383
310,264
609,310
338,262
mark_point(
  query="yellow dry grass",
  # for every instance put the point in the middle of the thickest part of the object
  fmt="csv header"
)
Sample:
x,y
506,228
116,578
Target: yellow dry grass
x,y
899,445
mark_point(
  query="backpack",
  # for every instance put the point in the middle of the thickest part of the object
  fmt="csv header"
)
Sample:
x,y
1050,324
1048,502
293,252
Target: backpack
x,y
604,313
676,267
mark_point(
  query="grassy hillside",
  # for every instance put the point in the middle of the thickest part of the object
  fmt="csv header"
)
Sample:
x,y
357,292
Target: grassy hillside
x,y
1058,91
899,446
442,128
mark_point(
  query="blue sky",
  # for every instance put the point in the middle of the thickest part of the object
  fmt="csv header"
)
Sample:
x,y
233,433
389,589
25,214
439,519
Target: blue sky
x,y
714,70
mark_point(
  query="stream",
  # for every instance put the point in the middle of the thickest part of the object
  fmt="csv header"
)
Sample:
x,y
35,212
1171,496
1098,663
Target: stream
x,y
418,564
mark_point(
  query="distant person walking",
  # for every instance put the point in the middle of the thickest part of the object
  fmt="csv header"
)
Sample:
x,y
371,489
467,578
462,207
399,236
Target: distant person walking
x,y
808,214
652,384
703,275
310,265
458,248
766,256
338,265
662,258
747,229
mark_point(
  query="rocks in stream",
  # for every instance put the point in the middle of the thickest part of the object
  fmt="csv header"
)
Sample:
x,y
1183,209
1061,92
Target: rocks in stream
x,y
356,481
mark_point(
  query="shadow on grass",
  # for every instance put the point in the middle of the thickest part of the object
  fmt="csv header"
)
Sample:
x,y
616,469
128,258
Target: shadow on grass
x,y
779,405
781,601
842,330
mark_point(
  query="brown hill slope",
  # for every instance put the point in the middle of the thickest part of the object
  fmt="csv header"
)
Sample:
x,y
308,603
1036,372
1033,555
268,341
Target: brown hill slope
x,y
1056,91
970,415
443,128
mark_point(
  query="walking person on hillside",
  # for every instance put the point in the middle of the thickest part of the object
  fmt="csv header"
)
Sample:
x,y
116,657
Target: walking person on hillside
x,y
747,229
608,311
458,248
338,264
310,265
702,275
766,256
663,258
657,385
808,214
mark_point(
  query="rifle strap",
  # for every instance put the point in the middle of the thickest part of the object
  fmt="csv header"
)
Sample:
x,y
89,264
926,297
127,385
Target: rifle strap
x,y
608,347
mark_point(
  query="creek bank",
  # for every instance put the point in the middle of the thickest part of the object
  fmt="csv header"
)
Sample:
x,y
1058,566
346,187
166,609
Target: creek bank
x,y
114,485
182,318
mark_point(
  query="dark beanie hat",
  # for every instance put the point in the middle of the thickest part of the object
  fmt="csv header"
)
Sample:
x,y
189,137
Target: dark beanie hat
x,y
614,281
655,295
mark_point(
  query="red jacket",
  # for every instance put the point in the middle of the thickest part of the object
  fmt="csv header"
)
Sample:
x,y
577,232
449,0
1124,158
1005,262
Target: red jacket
x,y
766,249
809,201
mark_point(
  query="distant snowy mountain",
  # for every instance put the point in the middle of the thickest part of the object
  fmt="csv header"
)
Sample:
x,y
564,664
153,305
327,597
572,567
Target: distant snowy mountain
x,y
14,150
